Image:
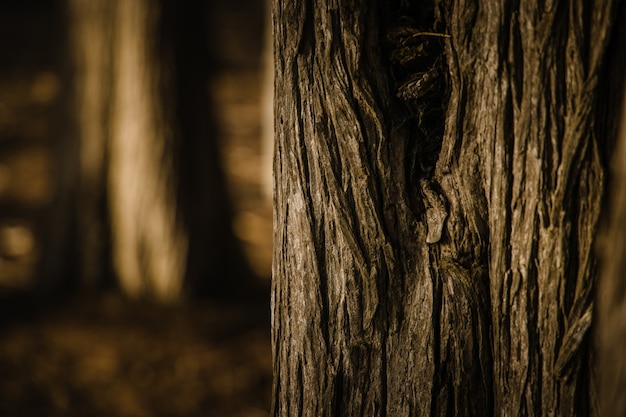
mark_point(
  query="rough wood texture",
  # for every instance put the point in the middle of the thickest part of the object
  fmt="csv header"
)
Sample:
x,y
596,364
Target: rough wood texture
x,y
375,312
531,143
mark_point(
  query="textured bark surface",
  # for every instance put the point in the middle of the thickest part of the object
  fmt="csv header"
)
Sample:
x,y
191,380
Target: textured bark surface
x,y
150,178
465,289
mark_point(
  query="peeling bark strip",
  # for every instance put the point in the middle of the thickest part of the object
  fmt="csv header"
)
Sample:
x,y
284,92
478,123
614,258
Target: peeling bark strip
x,y
462,288
528,80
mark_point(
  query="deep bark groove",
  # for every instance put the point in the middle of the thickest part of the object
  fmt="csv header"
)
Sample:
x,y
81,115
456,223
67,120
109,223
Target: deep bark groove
x,y
458,289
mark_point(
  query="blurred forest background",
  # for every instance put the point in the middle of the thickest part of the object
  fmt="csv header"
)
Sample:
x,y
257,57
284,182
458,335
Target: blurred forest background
x,y
68,349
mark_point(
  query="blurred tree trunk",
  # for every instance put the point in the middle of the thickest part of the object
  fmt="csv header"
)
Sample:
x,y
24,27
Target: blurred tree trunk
x,y
611,295
152,194
436,205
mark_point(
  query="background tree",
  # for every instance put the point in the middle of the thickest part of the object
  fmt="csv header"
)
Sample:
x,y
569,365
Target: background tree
x,y
439,177
151,196
99,352
611,298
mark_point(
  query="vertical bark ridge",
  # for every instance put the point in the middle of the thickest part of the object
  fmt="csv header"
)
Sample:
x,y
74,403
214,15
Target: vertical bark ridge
x,y
318,202
369,318
342,195
544,188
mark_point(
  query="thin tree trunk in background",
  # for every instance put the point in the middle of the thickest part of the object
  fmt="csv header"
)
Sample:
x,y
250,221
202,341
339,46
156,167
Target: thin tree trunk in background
x,y
610,337
149,241
462,285
91,34
267,101
122,121
151,181
56,240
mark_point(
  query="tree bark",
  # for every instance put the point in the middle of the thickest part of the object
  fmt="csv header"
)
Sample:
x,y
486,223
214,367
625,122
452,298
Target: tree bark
x,y
151,184
435,216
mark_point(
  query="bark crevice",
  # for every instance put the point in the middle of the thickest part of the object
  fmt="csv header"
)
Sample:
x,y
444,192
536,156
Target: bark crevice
x,y
458,189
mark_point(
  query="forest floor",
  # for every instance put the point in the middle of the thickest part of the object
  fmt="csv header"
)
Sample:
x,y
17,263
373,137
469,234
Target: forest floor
x,y
104,355
107,356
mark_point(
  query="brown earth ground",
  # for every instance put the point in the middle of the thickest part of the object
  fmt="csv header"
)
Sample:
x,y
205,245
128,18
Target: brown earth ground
x,y
104,355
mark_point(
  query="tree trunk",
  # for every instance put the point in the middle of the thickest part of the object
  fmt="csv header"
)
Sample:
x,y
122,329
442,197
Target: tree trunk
x,y
439,176
151,181
610,332
91,33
